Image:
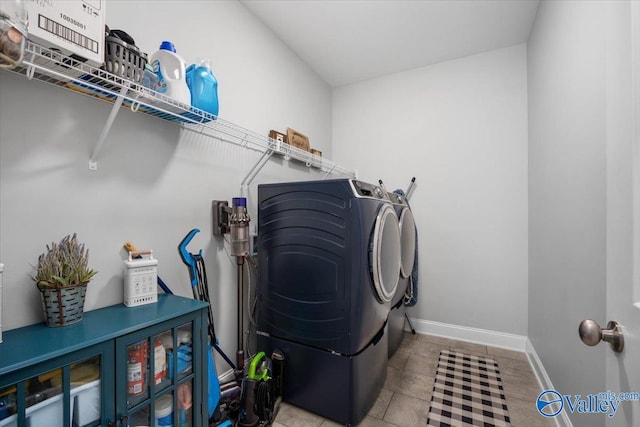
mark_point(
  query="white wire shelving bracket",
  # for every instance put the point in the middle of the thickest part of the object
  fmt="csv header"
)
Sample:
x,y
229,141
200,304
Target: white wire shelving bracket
x,y
254,171
93,159
57,69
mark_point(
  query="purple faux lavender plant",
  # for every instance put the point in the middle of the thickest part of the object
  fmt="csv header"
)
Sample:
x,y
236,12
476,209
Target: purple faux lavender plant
x,y
64,264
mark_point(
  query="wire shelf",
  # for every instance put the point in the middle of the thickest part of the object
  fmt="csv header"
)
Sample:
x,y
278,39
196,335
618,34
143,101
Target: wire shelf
x,y
53,67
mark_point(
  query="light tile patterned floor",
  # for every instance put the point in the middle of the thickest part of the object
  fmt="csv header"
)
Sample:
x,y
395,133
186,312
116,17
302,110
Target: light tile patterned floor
x,y
405,397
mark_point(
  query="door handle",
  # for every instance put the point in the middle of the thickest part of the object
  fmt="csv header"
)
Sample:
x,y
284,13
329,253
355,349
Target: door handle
x,y
591,334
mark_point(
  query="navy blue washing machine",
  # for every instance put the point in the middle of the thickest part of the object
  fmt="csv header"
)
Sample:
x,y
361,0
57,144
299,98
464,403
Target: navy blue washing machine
x,y
395,324
329,263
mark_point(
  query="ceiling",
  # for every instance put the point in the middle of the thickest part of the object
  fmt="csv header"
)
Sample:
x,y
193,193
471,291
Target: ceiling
x,y
347,41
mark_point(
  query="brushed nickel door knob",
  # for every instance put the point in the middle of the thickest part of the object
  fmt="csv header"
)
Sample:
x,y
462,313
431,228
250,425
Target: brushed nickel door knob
x,y
591,334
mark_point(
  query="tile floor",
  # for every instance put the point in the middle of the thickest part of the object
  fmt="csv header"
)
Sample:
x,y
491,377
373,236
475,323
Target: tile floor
x,y
405,397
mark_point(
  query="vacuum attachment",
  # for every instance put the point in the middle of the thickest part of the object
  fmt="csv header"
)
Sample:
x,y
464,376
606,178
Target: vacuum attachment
x,y
277,363
259,399
248,416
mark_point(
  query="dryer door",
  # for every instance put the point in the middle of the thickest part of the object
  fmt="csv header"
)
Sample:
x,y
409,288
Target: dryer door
x,y
408,242
385,256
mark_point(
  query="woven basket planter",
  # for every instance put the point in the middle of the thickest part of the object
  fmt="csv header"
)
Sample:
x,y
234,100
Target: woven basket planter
x,y
63,305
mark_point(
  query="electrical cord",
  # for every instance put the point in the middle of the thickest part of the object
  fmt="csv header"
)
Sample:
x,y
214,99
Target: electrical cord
x,y
250,307
264,398
251,303
201,292
247,332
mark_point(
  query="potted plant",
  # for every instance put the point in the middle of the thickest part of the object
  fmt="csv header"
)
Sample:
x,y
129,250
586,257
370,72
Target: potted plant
x,y
62,275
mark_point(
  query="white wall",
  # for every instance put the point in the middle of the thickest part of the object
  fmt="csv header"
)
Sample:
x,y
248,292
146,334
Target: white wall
x,y
459,127
567,192
155,182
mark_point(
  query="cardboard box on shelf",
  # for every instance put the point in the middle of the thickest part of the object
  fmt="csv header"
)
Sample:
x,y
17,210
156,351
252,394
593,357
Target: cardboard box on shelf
x,y
74,27
297,139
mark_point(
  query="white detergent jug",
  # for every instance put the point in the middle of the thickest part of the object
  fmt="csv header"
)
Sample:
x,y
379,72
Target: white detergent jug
x,y
170,69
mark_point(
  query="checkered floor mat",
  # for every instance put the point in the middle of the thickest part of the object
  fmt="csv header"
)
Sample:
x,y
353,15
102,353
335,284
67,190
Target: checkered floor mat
x,y
467,391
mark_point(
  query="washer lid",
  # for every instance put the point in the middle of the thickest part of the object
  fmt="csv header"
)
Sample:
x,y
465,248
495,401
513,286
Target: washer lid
x,y
385,258
408,242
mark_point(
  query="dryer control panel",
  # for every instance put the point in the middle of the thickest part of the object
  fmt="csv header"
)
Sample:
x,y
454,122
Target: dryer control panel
x,y
397,198
363,189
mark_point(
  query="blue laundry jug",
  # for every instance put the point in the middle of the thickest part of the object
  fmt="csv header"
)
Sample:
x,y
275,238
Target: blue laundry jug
x,y
203,86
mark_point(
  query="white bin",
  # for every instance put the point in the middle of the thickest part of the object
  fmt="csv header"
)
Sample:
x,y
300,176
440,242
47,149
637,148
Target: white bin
x,y
86,407
11,421
48,413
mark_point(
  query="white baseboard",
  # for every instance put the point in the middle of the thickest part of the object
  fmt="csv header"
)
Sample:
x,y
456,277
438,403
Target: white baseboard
x,y
475,335
562,420
495,339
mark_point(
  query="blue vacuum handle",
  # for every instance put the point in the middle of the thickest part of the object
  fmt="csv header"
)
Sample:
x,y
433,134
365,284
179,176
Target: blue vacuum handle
x,y
188,258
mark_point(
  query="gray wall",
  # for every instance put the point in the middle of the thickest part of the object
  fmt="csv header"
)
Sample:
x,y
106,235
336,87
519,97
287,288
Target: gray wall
x,y
567,192
154,182
459,127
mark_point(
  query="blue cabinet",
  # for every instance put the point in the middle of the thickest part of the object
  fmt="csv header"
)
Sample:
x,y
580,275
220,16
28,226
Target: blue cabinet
x,y
119,366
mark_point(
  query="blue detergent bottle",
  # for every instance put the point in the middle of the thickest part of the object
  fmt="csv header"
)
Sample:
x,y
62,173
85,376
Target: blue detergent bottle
x,y
203,86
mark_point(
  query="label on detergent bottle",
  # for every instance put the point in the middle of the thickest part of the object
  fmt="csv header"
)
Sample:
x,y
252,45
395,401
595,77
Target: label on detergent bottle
x,y
161,85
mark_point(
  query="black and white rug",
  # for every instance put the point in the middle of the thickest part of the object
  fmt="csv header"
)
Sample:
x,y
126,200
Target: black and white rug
x,y
467,391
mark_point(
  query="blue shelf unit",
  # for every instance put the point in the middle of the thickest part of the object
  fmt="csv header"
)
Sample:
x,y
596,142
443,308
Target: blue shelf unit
x,y
43,370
